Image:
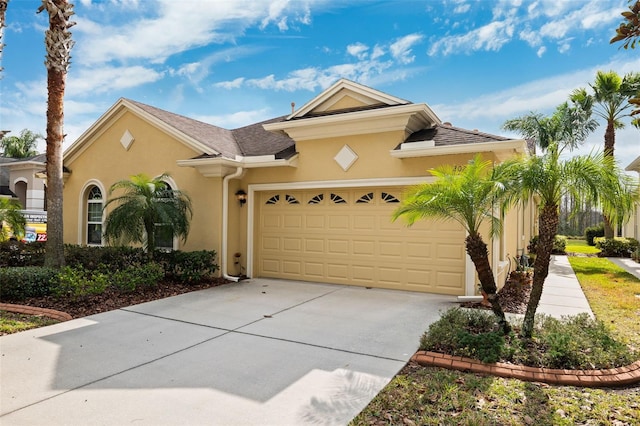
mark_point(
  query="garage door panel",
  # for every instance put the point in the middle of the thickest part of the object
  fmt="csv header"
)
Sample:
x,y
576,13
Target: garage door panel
x,y
349,238
340,223
292,244
314,269
292,221
292,267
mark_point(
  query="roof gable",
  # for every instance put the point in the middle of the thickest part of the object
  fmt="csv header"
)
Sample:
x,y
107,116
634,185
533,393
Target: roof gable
x,y
346,95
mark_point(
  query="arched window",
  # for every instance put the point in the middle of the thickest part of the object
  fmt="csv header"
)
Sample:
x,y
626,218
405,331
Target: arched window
x,y
21,191
164,235
94,216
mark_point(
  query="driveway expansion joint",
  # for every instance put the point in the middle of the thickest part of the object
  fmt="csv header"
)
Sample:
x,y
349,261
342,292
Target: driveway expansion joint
x,y
612,377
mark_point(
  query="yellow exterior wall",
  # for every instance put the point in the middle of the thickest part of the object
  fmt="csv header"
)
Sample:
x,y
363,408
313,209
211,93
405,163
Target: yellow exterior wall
x,y
153,152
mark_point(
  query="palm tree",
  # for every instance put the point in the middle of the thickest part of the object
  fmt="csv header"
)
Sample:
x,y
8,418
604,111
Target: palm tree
x,y
611,98
546,179
147,207
22,146
58,43
629,29
11,216
3,10
468,196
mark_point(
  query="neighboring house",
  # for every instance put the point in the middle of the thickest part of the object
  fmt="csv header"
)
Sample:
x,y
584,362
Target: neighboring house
x,y
632,228
320,186
23,178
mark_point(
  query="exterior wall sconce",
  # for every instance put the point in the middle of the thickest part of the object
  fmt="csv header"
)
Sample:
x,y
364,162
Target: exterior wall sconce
x,y
241,196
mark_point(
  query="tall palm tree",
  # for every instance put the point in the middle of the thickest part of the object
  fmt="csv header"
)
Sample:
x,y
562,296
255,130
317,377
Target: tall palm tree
x,y
547,179
22,146
3,10
468,196
11,216
147,207
611,98
58,43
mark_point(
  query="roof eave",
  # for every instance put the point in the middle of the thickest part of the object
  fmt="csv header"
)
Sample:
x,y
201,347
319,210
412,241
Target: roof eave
x,y
221,166
511,147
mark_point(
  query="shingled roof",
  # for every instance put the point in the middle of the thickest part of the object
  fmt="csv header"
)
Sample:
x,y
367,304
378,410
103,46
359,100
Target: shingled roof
x,y
250,140
446,135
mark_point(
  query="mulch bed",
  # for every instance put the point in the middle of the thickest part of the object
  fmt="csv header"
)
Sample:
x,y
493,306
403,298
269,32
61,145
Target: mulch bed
x,y
513,297
112,299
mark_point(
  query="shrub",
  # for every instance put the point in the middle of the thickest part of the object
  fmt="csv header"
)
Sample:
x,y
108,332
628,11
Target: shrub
x,y
444,334
559,244
487,347
76,283
593,232
114,258
18,283
17,253
133,278
616,247
188,267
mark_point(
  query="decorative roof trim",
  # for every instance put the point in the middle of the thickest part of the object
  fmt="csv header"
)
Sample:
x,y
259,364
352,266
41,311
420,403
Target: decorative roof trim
x,y
220,166
87,138
360,89
514,146
408,118
634,166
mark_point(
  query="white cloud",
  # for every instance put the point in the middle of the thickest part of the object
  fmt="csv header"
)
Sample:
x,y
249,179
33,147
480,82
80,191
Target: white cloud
x,y
541,51
401,48
463,8
233,84
359,50
564,46
100,80
236,119
488,37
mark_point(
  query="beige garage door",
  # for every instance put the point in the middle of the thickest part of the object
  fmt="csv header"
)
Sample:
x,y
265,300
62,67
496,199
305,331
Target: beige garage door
x,y
347,237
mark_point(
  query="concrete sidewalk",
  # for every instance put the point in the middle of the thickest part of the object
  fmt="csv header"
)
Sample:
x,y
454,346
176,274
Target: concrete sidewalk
x,y
627,264
562,294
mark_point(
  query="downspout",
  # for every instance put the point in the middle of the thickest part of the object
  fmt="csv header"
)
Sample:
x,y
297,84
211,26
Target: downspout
x,y
225,222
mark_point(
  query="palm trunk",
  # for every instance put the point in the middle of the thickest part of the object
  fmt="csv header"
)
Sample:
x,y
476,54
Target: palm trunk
x,y
58,43
548,225
150,229
477,250
609,143
54,256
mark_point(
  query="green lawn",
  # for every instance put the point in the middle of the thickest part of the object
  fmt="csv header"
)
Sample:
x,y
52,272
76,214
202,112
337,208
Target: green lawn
x,y
580,246
11,322
435,396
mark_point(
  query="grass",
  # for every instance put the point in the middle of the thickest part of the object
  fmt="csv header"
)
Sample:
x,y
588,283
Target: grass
x,y
434,396
11,322
580,246
613,293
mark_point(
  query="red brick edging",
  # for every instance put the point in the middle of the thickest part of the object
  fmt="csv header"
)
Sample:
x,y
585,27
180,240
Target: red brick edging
x,y
613,377
31,310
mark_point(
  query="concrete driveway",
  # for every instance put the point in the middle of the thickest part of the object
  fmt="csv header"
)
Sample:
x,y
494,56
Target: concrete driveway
x,y
262,352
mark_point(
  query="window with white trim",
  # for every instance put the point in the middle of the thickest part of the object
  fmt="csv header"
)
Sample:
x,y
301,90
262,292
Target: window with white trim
x,y
94,216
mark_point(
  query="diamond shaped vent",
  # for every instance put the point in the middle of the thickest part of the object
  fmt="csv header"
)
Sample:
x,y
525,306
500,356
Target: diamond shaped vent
x,y
126,140
345,157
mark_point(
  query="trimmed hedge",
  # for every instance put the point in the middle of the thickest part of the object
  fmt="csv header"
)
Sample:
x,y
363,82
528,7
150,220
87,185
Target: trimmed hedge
x,y
559,245
616,247
593,232
115,258
187,267
17,253
19,283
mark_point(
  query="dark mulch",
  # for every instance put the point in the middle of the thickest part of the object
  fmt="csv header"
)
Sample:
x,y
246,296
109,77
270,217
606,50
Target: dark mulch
x,y
513,297
112,299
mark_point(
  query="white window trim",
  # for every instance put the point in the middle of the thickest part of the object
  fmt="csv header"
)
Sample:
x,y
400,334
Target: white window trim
x,y
82,211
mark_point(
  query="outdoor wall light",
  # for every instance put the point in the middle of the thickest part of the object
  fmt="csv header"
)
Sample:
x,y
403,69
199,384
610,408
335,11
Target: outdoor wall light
x,y
241,196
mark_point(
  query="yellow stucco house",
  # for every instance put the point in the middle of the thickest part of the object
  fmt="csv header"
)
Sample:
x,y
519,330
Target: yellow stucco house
x,y
318,188
631,229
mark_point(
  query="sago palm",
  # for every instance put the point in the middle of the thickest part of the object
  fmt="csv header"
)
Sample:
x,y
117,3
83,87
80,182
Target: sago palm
x,y
147,206
11,218
467,196
547,179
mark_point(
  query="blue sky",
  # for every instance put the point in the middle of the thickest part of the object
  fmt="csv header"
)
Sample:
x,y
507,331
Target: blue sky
x,y
234,62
